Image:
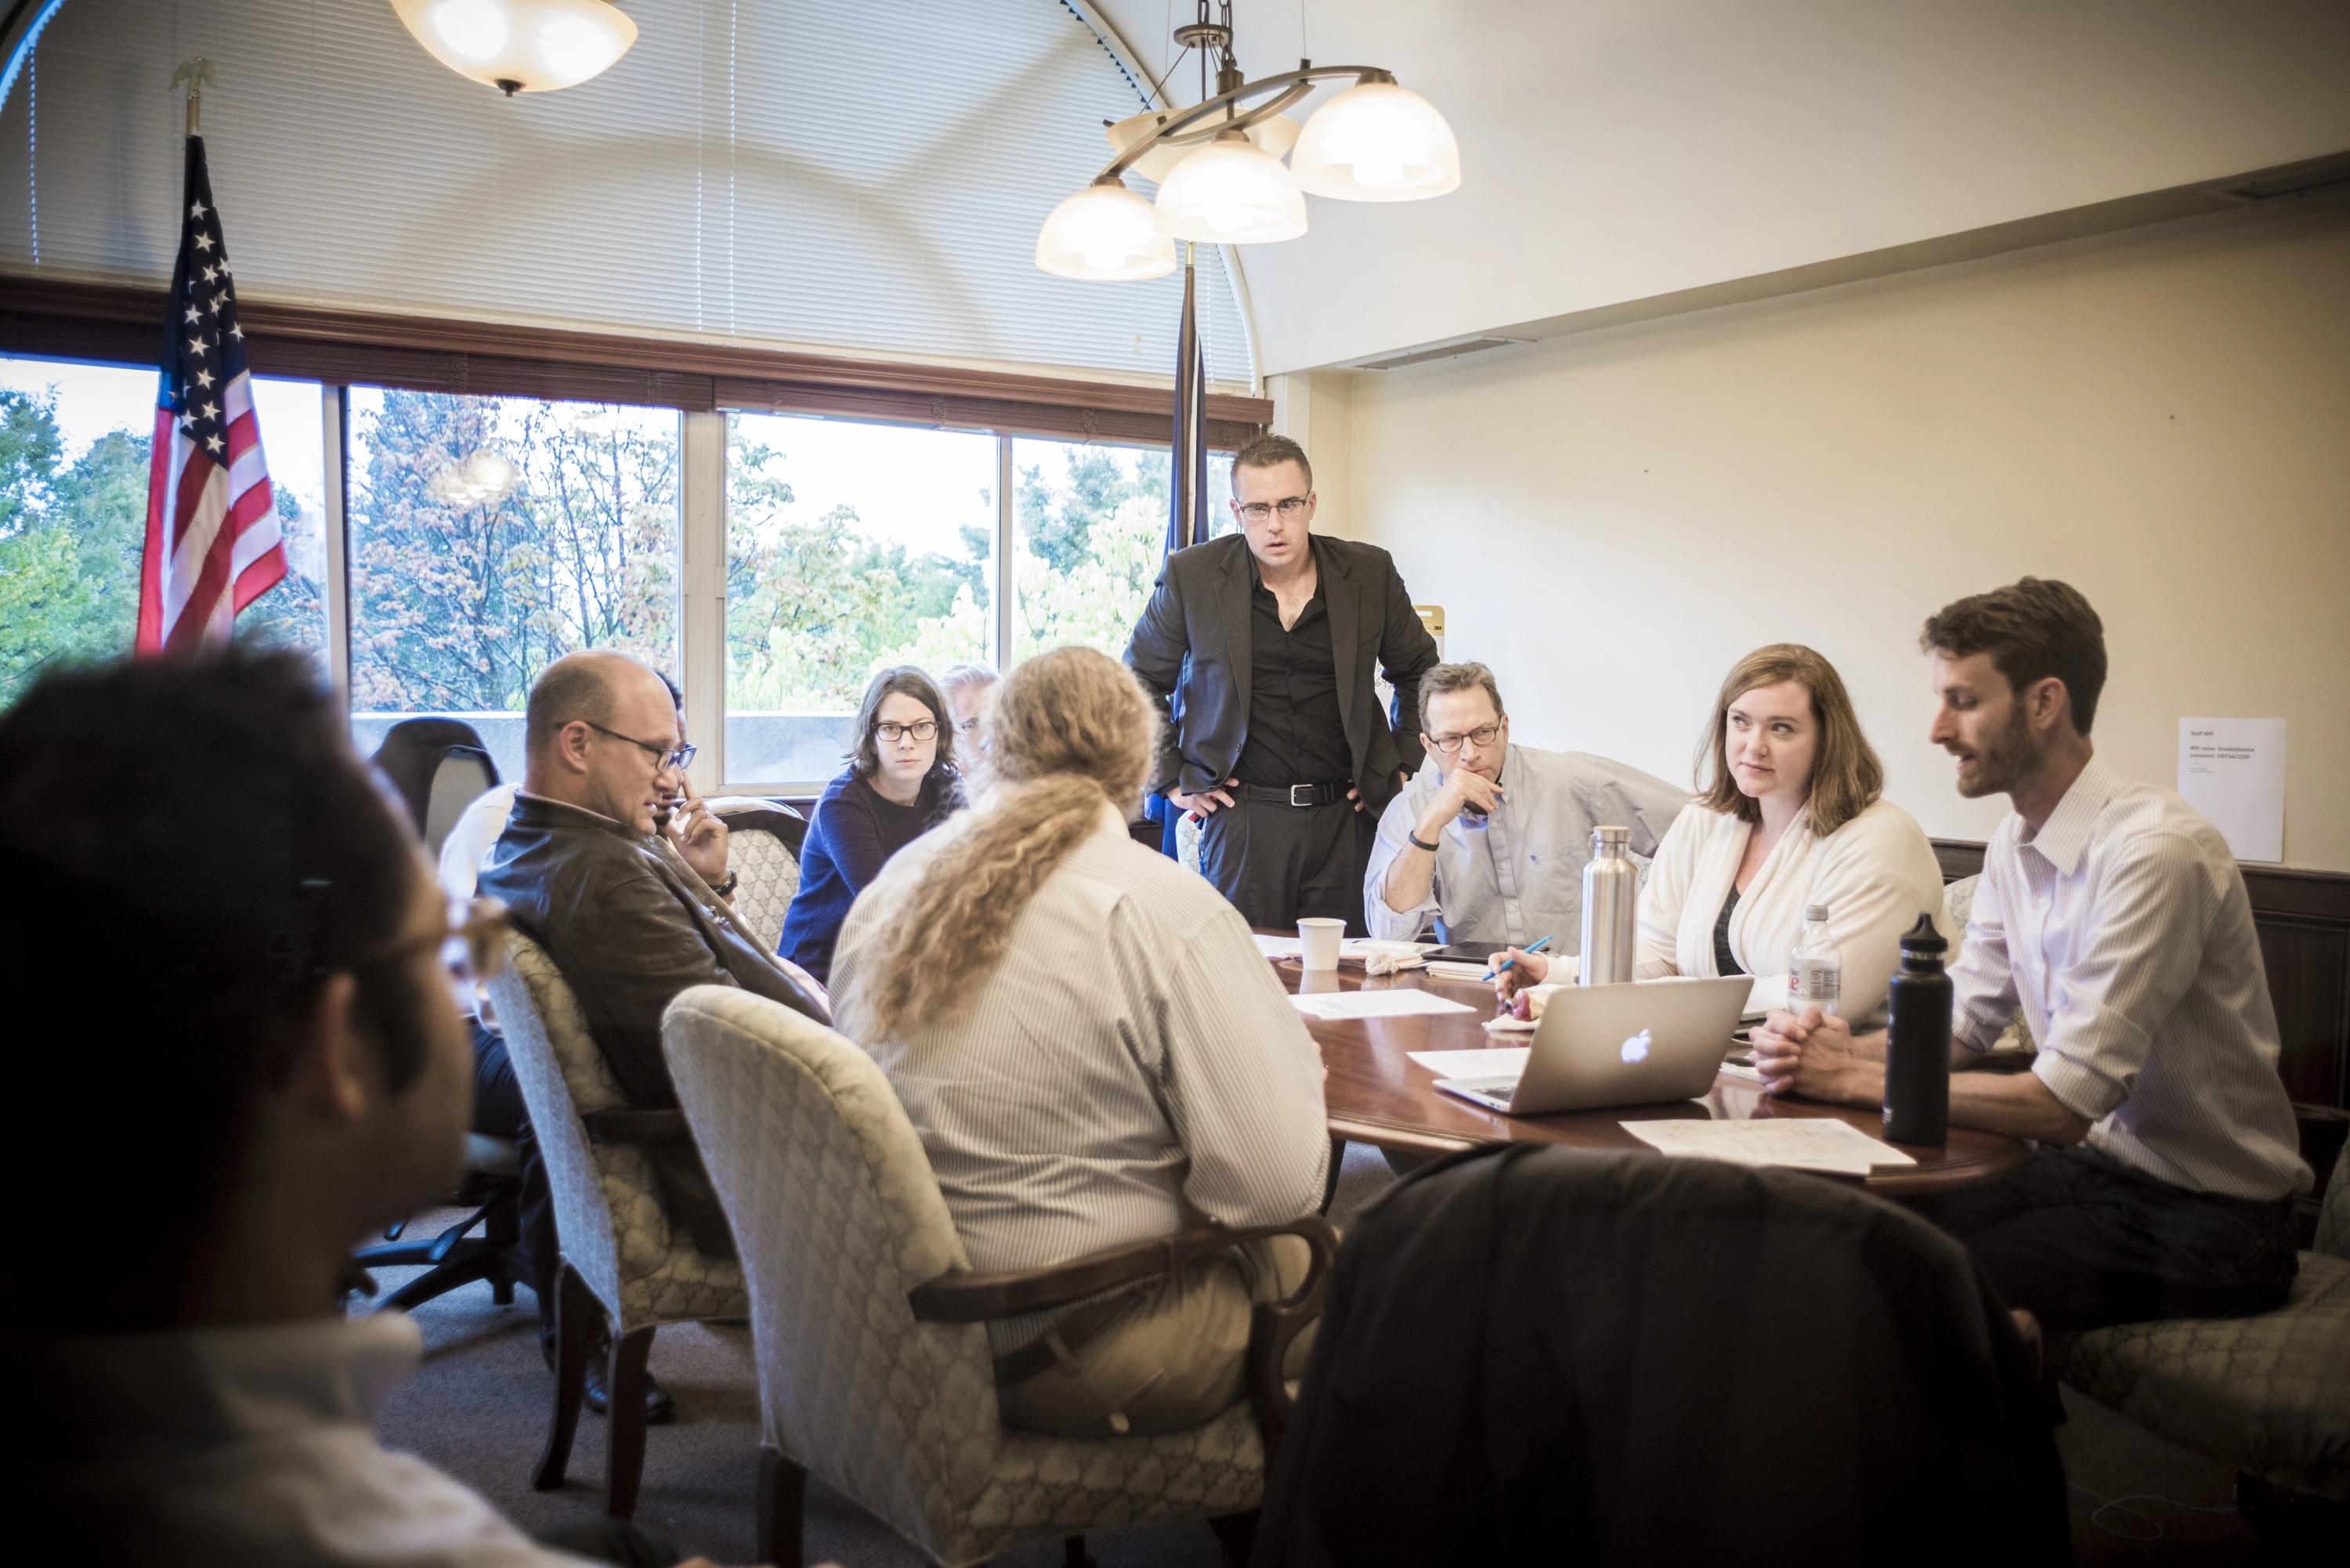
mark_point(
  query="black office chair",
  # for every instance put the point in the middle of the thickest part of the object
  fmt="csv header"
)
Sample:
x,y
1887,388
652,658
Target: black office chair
x,y
1547,1353
438,766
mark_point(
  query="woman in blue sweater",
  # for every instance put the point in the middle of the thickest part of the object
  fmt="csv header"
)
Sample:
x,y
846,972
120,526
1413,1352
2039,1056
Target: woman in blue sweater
x,y
900,784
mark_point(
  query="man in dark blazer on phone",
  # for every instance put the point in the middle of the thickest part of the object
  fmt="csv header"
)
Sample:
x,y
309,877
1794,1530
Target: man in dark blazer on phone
x,y
1259,649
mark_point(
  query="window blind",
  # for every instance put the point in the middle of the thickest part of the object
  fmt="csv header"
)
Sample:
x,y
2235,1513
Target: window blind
x,y
773,173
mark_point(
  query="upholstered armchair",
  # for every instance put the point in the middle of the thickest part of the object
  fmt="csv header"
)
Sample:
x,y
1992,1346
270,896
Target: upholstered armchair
x,y
874,1368
624,1264
2269,1395
762,847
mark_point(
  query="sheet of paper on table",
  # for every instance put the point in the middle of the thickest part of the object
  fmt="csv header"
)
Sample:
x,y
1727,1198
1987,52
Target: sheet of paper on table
x,y
1352,948
1501,1062
1806,1143
1375,1003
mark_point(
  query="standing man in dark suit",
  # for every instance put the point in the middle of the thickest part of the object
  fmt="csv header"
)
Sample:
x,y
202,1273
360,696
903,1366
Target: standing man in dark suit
x,y
1258,648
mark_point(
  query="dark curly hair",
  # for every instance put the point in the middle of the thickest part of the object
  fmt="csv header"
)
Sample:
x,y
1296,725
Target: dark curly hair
x,y
2032,628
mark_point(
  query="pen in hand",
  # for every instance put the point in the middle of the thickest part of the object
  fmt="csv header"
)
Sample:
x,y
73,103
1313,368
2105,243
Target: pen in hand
x,y
1507,963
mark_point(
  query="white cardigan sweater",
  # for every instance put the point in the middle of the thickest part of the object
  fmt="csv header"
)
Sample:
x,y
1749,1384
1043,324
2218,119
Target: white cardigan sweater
x,y
1876,874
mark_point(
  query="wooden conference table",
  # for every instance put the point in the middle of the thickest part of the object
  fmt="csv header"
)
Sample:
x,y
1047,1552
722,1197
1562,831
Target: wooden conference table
x,y
1377,1094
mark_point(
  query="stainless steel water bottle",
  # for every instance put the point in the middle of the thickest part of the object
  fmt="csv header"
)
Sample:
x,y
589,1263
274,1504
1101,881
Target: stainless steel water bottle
x,y
1611,907
1918,1042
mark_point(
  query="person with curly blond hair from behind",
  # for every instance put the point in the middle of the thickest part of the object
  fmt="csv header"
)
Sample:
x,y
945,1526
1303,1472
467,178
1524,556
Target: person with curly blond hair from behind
x,y
1094,1053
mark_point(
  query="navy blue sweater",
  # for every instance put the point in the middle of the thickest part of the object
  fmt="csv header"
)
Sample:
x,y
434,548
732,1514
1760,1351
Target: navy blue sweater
x,y
855,832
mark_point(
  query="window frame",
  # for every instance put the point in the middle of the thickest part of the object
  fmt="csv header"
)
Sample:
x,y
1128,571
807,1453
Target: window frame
x,y
340,349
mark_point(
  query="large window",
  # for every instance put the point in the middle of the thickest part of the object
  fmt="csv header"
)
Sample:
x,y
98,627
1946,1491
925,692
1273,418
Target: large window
x,y
73,514
849,547
1092,525
490,537
457,544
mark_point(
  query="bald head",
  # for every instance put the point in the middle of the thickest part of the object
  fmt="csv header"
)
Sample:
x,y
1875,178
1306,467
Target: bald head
x,y
596,723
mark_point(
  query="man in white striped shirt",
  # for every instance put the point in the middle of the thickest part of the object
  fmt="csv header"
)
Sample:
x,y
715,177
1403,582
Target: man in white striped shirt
x,y
2116,919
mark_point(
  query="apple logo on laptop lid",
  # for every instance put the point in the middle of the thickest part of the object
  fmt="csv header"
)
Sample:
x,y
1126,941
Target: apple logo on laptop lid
x,y
1636,1049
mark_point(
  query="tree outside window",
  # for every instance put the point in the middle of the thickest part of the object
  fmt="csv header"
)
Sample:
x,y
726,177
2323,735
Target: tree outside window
x,y
74,443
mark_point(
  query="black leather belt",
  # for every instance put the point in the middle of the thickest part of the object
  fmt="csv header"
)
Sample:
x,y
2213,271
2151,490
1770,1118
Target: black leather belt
x,y
1294,794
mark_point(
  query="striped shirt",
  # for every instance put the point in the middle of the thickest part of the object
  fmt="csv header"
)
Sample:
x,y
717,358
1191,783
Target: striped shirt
x,y
1131,1066
2123,930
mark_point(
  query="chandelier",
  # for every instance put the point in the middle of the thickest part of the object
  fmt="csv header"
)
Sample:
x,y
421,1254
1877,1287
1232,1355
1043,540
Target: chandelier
x,y
520,46
1219,163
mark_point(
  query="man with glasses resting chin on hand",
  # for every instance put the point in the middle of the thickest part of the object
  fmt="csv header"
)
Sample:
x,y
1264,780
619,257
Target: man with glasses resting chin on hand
x,y
1489,843
631,913
1259,649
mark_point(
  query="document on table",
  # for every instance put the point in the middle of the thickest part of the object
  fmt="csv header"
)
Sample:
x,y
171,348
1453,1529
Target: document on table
x,y
2232,771
1806,1143
1352,948
1374,1004
1501,1062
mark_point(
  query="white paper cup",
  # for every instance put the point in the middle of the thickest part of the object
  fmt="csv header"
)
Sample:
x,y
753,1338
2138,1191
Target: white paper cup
x,y
1319,936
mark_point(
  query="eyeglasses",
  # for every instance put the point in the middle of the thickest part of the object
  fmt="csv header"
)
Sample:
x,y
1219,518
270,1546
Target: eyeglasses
x,y
1484,736
1290,509
920,729
664,757
472,944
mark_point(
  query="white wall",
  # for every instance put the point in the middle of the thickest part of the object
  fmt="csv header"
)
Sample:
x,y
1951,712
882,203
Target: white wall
x,y
1612,149
2161,418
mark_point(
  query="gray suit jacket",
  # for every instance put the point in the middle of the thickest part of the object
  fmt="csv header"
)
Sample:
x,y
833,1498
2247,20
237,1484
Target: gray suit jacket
x,y
1192,651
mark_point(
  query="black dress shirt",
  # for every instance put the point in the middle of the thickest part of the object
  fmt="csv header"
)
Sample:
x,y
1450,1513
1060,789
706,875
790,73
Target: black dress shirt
x,y
1296,732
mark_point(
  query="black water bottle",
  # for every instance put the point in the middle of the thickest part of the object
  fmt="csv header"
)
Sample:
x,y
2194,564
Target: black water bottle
x,y
1918,1042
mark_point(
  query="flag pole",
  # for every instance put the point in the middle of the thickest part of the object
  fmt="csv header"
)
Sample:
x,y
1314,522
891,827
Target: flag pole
x,y
197,73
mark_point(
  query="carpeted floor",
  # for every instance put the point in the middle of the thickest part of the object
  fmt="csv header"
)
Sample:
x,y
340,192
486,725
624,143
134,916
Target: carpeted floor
x,y
479,1410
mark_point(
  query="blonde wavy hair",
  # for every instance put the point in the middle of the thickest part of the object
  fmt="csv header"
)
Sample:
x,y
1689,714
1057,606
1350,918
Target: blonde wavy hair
x,y
1072,729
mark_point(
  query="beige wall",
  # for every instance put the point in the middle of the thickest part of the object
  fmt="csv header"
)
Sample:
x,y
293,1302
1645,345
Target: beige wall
x,y
2161,418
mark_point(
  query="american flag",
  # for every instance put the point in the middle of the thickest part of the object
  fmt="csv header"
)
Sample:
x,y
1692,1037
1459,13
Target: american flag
x,y
212,543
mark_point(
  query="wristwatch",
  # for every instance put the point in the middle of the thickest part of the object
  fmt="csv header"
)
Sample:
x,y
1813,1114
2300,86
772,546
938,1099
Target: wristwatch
x,y
1418,842
726,890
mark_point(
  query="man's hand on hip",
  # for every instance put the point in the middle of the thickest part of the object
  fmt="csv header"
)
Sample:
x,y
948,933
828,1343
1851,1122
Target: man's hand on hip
x,y
1203,803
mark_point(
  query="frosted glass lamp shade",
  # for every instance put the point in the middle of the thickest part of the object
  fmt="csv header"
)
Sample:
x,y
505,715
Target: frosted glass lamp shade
x,y
1275,135
520,46
1104,233
1228,193
1376,142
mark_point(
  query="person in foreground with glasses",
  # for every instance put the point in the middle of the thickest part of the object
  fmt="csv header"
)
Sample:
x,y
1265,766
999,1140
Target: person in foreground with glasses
x,y
1489,843
1259,649
900,783
283,1069
630,914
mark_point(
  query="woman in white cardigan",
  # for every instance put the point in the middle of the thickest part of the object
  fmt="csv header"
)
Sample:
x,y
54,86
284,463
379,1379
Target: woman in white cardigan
x,y
1792,815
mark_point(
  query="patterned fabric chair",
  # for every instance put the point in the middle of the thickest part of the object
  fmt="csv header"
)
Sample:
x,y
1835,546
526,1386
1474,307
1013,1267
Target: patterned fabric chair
x,y
2269,1395
762,846
624,1265
1958,902
847,1244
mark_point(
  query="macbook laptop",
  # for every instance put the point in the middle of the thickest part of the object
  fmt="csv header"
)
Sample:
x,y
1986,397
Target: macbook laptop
x,y
1601,1046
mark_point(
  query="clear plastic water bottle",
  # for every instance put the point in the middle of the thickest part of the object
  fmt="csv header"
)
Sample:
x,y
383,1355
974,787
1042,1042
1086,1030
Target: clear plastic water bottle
x,y
1815,973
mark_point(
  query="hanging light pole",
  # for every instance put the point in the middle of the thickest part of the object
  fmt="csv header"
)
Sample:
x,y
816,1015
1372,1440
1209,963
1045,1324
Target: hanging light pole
x,y
1217,163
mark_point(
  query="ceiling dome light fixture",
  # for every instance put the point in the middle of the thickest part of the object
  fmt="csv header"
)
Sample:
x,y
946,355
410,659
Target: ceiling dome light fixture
x,y
1104,233
1217,163
1376,142
1230,192
521,46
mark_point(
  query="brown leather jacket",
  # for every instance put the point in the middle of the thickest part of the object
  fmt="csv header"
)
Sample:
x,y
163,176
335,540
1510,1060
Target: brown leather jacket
x,y
631,926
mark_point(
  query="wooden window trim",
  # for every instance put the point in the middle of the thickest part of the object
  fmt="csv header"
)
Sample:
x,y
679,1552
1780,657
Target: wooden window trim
x,y
99,321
